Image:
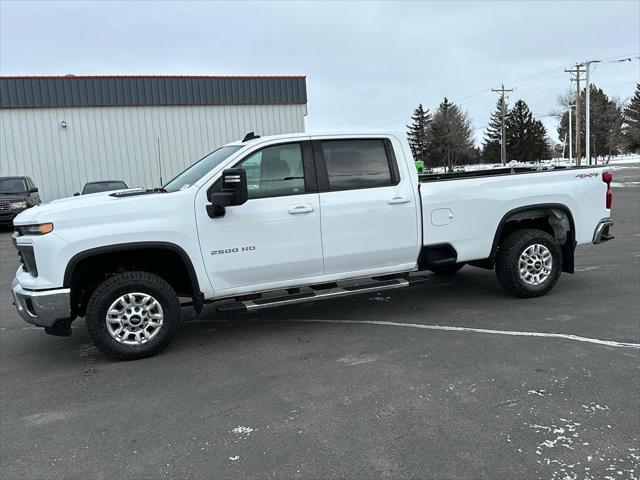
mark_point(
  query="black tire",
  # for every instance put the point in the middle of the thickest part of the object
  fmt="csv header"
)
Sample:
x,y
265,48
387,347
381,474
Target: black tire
x,y
445,270
129,282
508,259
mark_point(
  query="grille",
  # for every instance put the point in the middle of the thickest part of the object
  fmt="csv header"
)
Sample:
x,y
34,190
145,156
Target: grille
x,y
4,205
28,260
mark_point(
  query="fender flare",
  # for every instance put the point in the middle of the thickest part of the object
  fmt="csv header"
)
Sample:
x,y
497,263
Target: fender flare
x,y
198,296
567,249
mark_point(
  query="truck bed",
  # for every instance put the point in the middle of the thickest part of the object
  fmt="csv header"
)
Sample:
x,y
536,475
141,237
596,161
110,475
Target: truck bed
x,y
463,209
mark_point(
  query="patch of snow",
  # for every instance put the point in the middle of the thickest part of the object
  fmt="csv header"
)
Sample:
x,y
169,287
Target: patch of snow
x,y
593,407
233,459
539,392
240,430
625,184
379,298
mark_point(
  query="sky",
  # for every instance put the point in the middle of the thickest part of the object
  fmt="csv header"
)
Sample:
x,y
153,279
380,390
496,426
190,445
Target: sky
x,y
368,64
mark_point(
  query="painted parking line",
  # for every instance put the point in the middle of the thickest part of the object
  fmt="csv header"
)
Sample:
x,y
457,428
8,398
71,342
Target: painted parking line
x,y
446,328
511,333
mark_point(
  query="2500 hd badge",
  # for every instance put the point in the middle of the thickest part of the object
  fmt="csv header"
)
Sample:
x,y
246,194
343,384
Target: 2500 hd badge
x,y
233,250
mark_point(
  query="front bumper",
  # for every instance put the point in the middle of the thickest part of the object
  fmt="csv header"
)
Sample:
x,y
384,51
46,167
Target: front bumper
x,y
603,231
42,308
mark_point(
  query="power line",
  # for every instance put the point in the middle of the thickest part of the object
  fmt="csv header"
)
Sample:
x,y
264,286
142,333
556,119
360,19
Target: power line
x,y
528,80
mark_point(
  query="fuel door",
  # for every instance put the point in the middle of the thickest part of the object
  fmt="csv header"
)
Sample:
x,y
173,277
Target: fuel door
x,y
441,217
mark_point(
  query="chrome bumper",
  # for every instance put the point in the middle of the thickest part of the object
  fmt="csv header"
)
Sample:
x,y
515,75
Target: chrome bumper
x,y
603,233
41,308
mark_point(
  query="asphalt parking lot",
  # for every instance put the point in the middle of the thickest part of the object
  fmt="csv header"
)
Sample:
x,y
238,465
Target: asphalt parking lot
x,y
312,391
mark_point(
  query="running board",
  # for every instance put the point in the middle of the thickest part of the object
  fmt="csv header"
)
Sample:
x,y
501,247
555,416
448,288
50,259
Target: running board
x,y
249,305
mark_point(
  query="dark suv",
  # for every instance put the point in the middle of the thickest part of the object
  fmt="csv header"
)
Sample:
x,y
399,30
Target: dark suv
x,y
16,194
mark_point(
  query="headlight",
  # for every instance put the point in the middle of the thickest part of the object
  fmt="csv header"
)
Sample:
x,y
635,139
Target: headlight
x,y
17,205
38,229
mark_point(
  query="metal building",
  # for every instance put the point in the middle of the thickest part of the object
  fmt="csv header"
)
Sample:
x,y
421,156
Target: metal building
x,y
66,131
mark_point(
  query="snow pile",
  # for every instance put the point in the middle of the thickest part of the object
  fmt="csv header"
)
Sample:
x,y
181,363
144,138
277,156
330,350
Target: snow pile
x,y
240,430
553,162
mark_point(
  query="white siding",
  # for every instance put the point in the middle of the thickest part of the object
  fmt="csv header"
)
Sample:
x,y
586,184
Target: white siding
x,y
105,143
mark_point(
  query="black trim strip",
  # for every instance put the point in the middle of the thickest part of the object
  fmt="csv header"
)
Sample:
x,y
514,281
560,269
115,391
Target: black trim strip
x,y
266,301
498,172
367,286
515,211
77,258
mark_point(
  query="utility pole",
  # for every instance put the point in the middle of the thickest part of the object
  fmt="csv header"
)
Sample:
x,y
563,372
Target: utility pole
x,y
587,112
577,73
570,146
503,143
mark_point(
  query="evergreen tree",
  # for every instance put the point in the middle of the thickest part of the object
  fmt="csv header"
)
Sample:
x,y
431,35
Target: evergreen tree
x,y
450,135
631,128
526,137
493,135
606,124
418,133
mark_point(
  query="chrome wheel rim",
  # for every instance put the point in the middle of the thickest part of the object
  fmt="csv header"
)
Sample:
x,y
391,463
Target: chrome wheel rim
x,y
134,318
535,264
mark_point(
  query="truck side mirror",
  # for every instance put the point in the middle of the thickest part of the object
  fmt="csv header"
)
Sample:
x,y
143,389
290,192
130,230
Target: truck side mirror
x,y
33,190
234,192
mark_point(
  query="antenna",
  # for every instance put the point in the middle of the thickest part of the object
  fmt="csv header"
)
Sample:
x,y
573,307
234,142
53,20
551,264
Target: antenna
x,y
159,161
250,136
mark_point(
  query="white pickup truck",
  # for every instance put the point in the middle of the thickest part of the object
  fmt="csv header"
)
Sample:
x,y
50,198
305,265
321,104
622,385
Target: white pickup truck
x,y
293,218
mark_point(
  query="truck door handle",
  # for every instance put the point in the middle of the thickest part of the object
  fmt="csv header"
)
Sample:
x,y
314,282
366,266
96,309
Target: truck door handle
x,y
396,200
300,209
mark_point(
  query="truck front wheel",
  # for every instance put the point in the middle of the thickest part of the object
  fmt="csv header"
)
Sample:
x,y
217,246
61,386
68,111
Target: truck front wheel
x,y
529,263
133,315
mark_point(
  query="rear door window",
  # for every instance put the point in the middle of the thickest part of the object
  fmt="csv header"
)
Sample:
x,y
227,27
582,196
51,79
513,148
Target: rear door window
x,y
353,164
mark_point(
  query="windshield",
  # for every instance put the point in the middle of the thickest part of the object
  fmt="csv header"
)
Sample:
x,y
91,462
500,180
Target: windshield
x,y
96,187
199,169
12,185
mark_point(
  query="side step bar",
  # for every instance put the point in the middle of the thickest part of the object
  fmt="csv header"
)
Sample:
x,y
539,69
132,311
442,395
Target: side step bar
x,y
249,305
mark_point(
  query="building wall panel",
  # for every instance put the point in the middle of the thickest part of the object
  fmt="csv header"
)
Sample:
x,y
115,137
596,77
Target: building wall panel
x,y
128,143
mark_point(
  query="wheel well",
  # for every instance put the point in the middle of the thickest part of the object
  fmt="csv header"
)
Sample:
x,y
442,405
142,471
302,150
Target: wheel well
x,y
88,269
553,219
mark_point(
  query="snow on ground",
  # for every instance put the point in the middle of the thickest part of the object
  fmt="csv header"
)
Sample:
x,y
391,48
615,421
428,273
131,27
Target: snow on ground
x,y
625,184
619,160
240,430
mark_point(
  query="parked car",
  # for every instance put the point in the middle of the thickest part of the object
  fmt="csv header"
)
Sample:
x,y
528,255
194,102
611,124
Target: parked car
x,y
102,186
315,217
16,195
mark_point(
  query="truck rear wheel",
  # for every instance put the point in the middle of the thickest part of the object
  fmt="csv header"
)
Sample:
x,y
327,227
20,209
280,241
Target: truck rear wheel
x,y
133,315
529,263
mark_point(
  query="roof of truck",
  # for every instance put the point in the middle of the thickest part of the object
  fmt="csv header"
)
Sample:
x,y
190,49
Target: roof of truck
x,y
321,133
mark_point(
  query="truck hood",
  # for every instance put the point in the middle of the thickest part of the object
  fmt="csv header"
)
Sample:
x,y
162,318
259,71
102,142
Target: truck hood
x,y
94,205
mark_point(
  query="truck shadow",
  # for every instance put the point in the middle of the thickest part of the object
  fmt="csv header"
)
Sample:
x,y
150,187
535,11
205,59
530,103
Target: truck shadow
x,y
432,298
